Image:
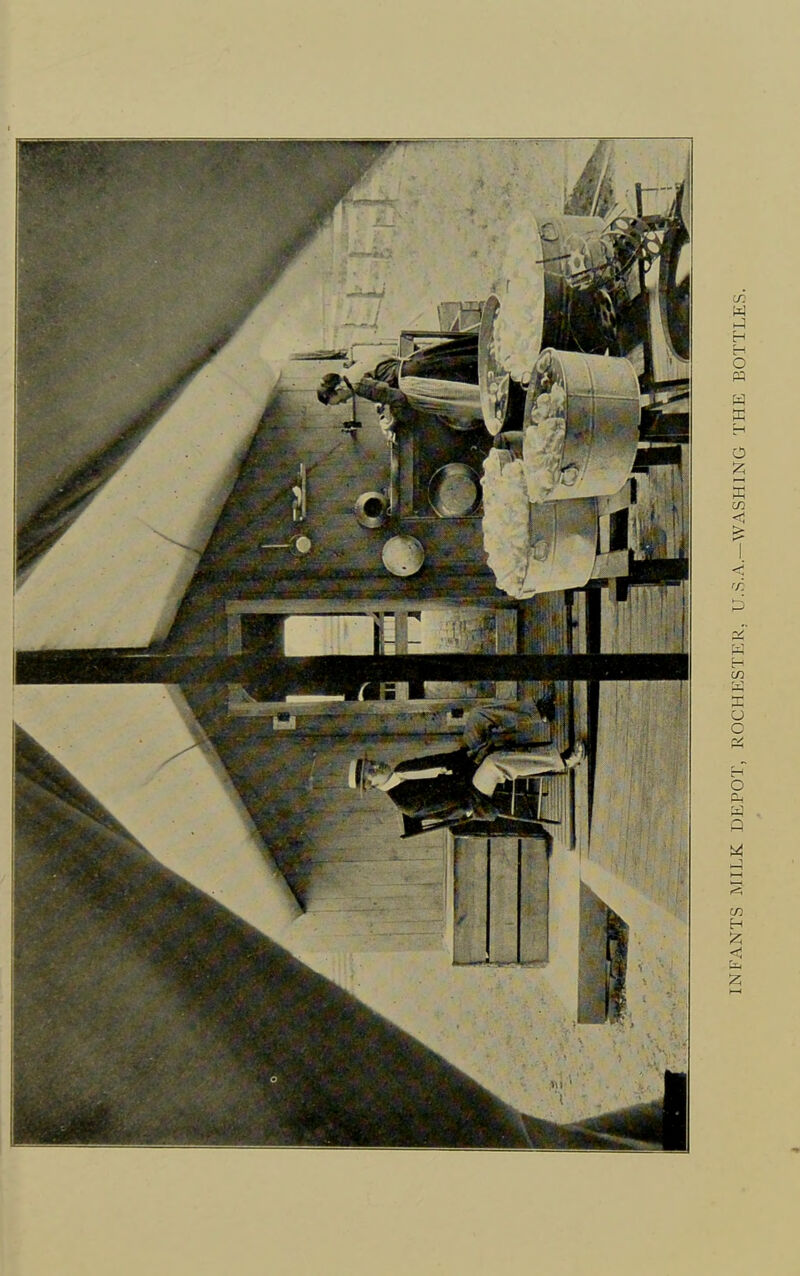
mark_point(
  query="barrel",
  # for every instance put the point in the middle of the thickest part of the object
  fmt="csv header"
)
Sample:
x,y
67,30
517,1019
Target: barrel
x,y
602,414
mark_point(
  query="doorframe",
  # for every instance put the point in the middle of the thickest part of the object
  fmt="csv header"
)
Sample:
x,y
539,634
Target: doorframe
x,y
285,714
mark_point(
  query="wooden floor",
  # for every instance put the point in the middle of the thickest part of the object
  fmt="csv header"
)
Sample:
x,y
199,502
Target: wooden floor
x,y
546,626
639,820
638,823
639,814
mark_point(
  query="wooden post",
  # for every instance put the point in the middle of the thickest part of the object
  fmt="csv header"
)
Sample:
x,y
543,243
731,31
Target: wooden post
x,y
664,427
279,676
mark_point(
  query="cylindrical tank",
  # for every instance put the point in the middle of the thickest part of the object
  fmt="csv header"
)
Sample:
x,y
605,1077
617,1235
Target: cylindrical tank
x,y
502,398
538,307
563,546
601,408
533,548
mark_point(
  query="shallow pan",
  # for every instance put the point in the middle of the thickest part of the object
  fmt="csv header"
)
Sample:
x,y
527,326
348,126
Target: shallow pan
x,y
454,491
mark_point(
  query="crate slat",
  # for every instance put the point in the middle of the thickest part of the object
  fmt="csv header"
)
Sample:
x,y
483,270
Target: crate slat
x,y
503,899
470,898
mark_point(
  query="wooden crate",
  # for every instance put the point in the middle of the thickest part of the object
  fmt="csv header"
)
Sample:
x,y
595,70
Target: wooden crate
x,y
500,901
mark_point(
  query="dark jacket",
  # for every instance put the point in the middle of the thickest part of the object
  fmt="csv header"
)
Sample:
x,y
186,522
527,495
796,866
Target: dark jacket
x,y
441,796
453,360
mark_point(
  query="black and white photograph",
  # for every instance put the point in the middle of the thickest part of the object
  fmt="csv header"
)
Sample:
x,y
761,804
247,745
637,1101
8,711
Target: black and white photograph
x,y
352,631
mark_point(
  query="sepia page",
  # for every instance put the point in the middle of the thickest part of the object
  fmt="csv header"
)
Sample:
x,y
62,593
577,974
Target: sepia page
x,y
397,179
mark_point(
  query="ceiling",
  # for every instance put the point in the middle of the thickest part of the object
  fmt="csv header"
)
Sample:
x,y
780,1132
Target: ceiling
x,y
136,259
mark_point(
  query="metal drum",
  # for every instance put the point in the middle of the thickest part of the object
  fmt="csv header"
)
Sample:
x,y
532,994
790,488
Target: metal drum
x,y
601,409
536,282
571,317
502,399
532,549
563,546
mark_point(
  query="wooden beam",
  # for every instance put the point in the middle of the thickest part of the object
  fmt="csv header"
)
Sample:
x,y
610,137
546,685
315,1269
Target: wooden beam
x,y
664,427
288,675
505,637
622,500
474,583
359,606
401,633
592,965
661,571
470,897
359,713
609,564
662,454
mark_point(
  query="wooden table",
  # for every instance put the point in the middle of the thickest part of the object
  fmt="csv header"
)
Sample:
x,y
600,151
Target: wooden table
x,y
419,451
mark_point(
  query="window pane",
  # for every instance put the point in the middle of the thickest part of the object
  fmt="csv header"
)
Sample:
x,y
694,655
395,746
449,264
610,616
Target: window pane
x,y
310,699
334,635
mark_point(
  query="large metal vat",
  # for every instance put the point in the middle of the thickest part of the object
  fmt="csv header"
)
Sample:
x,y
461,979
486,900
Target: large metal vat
x,y
599,400
563,546
534,287
534,549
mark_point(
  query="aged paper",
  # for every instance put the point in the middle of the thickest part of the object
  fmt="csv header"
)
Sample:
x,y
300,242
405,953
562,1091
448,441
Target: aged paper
x,y
723,79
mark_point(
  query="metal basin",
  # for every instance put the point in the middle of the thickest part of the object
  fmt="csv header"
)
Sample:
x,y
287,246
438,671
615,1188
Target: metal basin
x,y
454,491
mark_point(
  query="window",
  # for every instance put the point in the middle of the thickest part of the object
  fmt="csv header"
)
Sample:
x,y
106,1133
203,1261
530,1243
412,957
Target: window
x,y
336,634
333,635
355,628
